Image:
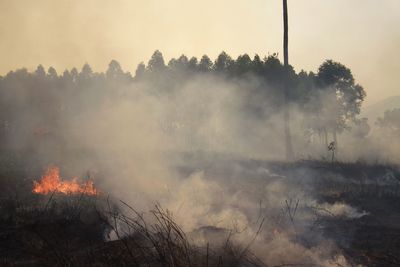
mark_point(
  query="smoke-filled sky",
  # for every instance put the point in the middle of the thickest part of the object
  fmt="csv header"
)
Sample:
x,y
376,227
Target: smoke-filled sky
x,y
362,34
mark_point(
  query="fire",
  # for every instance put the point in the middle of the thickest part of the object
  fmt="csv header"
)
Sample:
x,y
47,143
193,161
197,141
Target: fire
x,y
52,182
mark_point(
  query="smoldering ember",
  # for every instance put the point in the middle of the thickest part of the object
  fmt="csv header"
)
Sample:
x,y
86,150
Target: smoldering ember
x,y
237,158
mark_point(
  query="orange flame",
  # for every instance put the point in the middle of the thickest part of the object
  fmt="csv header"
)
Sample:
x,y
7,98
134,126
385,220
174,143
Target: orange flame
x,y
52,182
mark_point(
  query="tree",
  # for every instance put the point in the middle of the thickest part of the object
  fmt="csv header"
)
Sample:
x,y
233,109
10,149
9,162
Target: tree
x,y
192,65
242,65
156,62
114,70
86,72
288,137
115,73
274,73
40,72
223,62
74,74
181,64
205,64
305,86
52,73
66,76
257,65
340,97
140,71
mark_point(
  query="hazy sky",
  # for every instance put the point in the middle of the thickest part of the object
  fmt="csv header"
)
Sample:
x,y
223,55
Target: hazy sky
x,y
362,34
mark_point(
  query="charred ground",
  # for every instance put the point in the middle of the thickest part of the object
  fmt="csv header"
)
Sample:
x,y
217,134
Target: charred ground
x,y
59,230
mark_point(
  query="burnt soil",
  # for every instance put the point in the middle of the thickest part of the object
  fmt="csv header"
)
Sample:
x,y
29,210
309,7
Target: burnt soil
x,y
58,234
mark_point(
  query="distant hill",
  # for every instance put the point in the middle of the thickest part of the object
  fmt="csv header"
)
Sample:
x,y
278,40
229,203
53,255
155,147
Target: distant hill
x,y
376,110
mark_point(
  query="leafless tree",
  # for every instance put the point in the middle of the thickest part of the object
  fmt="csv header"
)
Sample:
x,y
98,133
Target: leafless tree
x,y
288,137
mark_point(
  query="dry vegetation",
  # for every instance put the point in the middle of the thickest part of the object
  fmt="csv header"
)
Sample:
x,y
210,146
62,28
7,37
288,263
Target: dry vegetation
x,y
72,231
79,230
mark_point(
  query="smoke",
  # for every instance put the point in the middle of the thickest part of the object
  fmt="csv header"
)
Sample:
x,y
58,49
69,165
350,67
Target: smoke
x,y
182,147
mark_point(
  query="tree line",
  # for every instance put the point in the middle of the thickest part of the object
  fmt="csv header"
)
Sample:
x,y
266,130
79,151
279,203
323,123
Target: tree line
x,y
330,98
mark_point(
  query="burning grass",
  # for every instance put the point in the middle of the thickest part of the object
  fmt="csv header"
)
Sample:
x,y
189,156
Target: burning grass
x,y
51,182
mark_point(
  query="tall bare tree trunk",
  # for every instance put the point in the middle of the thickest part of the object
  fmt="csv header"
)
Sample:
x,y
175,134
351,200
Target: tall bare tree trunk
x,y
285,34
288,137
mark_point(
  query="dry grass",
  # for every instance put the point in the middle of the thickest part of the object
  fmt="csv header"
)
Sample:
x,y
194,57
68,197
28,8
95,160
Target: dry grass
x,y
58,233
